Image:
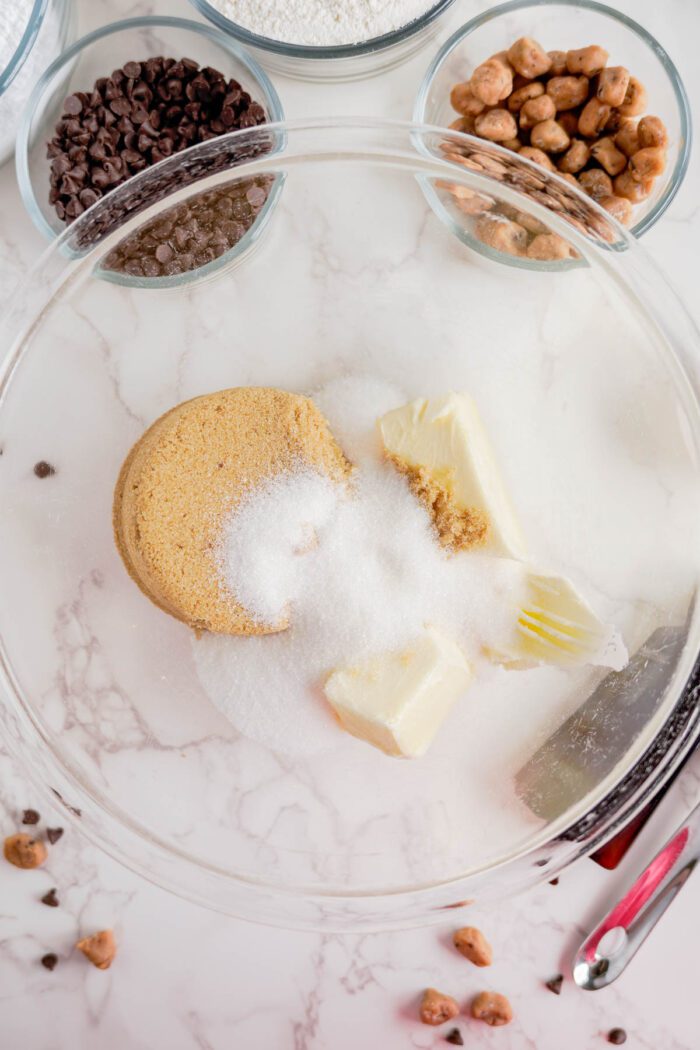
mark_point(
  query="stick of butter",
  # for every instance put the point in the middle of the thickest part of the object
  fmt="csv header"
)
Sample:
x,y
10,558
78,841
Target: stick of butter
x,y
397,701
556,626
441,445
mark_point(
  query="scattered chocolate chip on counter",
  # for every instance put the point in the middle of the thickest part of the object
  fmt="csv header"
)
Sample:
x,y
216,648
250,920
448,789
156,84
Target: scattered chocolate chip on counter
x,y
454,1037
571,114
617,1036
555,983
554,882
471,943
492,1008
53,835
51,898
24,851
192,234
99,949
436,1007
139,115
42,469
30,816
49,961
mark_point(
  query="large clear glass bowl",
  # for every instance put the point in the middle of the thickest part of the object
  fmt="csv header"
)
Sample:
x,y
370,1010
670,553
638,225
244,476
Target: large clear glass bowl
x,y
338,61
561,25
586,382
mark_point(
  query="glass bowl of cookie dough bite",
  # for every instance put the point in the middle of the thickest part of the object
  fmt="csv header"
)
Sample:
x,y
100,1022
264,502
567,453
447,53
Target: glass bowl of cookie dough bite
x,y
346,587
575,88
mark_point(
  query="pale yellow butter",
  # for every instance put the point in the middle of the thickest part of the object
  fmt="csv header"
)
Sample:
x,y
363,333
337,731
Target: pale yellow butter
x,y
554,625
444,436
397,701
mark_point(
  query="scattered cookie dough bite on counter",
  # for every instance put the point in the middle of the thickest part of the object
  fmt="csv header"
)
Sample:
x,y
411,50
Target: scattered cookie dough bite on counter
x,y
188,471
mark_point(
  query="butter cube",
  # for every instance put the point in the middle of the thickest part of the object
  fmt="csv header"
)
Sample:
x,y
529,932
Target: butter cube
x,y
441,444
397,701
556,626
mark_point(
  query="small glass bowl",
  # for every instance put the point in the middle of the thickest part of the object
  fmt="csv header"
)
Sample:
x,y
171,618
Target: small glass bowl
x,y
96,55
51,25
562,24
339,62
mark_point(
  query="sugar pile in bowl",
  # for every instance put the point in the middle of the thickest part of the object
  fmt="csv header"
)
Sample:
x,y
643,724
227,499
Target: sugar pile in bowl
x,y
358,572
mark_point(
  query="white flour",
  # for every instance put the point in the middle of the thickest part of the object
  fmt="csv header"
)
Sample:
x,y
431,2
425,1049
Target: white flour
x,y
322,23
14,17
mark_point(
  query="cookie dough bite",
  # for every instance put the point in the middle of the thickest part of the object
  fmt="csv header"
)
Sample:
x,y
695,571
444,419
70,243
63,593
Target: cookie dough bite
x,y
188,471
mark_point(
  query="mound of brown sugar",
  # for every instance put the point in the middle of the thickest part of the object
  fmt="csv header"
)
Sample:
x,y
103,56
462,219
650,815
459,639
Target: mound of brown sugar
x,y
458,528
188,471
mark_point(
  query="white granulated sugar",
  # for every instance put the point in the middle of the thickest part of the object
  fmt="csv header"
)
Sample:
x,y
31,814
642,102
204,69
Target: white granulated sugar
x,y
359,571
322,23
262,555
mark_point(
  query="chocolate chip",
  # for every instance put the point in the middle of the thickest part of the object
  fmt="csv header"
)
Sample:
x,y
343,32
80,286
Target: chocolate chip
x,y
554,882
54,834
164,253
42,469
555,983
617,1036
74,208
191,234
73,105
132,69
50,898
89,196
49,960
30,816
454,1037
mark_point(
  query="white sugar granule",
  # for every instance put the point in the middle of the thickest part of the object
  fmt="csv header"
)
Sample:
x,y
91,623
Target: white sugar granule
x,y
322,23
358,570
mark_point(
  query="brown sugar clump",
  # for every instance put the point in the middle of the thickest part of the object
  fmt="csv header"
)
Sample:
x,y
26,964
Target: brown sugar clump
x,y
100,949
458,528
188,471
24,851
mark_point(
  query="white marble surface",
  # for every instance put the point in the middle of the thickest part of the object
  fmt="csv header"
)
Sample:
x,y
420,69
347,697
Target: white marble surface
x,y
189,978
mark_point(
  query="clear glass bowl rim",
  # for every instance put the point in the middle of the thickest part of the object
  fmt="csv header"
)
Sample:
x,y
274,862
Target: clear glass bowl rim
x,y
311,51
143,851
25,45
686,136
272,100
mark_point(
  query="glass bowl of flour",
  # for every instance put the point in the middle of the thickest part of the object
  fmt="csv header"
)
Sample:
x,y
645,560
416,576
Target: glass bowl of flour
x,y
328,39
212,763
32,34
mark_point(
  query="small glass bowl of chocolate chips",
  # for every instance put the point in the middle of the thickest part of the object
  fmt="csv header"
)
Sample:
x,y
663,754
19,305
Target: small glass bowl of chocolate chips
x,y
108,128
573,105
